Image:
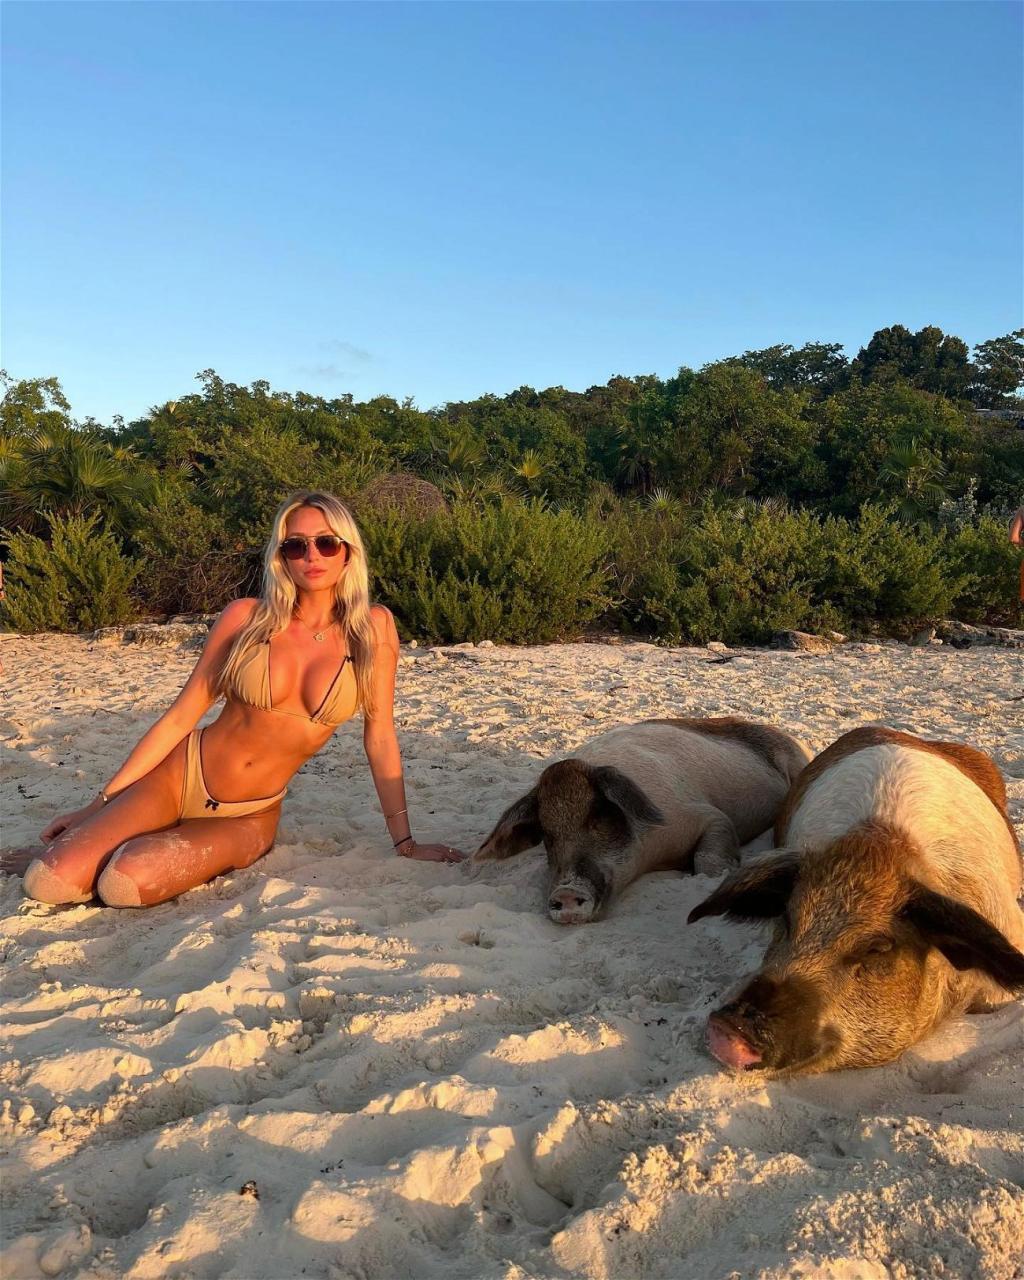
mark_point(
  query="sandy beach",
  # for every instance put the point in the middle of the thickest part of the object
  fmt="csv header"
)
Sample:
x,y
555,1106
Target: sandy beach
x,y
341,1064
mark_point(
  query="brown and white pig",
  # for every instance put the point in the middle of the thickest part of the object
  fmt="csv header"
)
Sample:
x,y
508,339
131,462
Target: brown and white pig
x,y
894,897
655,796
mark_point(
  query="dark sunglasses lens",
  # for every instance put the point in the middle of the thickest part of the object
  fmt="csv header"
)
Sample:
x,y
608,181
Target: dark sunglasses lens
x,y
329,545
293,548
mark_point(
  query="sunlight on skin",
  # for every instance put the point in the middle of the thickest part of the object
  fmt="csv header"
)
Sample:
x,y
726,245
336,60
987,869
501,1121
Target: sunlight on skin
x,y
76,858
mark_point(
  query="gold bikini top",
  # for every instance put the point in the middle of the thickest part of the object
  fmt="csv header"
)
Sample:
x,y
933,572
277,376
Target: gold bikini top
x,y
252,685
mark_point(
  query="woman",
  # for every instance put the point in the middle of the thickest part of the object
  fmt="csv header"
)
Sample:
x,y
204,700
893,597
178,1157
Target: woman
x,y
1017,538
191,803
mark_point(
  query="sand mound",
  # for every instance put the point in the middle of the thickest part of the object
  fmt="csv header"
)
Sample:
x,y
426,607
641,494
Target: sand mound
x,y
341,1064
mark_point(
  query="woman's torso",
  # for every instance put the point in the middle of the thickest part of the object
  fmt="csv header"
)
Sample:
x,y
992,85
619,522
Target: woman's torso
x,y
293,694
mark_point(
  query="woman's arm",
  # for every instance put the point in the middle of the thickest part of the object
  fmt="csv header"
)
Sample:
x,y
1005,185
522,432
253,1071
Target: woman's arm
x,y
196,698
184,713
381,745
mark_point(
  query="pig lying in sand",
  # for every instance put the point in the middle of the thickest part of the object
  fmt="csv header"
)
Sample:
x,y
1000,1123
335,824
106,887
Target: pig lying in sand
x,y
895,907
656,796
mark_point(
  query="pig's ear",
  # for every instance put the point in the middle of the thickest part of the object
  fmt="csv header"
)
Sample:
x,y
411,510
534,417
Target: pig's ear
x,y
517,829
622,792
755,892
964,937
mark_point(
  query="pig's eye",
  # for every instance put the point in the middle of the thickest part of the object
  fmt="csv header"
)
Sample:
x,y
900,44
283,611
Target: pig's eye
x,y
873,954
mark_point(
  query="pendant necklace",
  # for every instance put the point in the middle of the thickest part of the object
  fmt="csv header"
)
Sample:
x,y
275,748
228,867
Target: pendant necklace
x,y
319,636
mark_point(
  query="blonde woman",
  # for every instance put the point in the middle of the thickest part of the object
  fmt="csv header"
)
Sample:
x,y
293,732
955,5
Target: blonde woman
x,y
189,803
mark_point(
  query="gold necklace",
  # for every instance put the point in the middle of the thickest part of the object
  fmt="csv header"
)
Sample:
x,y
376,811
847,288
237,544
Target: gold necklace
x,y
317,635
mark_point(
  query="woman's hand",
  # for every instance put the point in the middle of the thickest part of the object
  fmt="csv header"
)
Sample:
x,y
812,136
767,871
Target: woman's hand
x,y
69,820
430,852
14,862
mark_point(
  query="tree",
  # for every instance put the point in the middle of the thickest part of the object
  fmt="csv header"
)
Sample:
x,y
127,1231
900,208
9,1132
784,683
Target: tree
x,y
70,472
457,452
31,405
663,503
732,432
601,417
531,429
915,477
820,367
859,428
641,437
888,356
999,371
530,470
929,360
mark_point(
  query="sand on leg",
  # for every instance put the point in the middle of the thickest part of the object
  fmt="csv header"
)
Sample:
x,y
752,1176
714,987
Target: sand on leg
x,y
66,870
152,868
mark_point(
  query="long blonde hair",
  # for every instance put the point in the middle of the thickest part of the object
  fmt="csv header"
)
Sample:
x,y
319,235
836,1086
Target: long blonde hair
x,y
277,600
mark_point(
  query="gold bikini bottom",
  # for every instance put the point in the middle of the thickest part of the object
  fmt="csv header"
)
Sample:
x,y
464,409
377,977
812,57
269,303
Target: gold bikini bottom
x,y
196,801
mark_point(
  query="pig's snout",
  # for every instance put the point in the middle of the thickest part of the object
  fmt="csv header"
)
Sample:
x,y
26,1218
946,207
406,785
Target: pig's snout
x,y
571,904
774,1025
730,1046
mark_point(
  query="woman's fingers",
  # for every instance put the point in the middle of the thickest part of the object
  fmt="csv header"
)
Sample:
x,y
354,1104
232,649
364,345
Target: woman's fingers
x,y
435,853
64,823
15,861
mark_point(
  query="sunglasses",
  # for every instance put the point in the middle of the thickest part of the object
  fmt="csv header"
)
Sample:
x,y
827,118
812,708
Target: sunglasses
x,y
327,544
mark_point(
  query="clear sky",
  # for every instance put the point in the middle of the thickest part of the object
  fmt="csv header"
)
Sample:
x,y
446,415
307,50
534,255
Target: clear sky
x,y
439,200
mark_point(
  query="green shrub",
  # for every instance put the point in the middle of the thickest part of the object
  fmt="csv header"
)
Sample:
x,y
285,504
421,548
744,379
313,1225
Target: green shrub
x,y
736,574
512,572
194,562
740,572
754,571
988,567
881,572
251,475
77,581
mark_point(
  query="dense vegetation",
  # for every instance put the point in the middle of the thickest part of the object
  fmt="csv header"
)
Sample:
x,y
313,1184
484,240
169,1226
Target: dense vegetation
x,y
781,488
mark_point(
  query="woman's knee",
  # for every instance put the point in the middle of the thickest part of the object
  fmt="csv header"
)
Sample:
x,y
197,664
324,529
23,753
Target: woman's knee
x,y
123,879
45,884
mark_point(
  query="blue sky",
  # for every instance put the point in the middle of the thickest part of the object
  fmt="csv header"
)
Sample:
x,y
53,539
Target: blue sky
x,y
440,200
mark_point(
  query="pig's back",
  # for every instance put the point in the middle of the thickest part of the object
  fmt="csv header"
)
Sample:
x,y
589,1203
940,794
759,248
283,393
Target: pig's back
x,y
679,767
963,837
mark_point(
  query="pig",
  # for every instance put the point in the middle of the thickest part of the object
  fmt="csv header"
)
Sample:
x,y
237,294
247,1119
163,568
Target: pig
x,y
665,794
893,894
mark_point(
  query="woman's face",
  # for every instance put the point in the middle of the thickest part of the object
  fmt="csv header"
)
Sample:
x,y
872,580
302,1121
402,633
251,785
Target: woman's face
x,y
314,571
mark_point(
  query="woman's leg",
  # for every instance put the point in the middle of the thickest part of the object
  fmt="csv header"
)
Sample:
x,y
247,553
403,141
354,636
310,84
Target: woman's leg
x,y
153,868
67,869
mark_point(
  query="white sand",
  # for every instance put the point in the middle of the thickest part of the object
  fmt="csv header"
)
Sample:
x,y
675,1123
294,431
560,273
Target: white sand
x,y
422,1075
